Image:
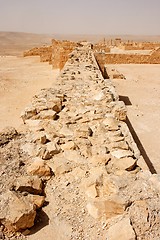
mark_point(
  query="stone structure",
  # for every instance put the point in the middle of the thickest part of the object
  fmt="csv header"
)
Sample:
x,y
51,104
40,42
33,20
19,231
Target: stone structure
x,y
103,58
60,52
130,45
76,140
45,53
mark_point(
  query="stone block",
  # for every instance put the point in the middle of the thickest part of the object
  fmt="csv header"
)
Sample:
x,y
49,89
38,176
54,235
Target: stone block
x,y
15,213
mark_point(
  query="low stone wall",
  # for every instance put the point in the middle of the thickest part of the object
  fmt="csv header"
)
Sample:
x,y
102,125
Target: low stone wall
x,y
101,48
103,59
140,46
45,53
80,148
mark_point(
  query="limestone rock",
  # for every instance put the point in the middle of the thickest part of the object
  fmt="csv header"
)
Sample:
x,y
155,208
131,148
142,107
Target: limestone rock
x,y
91,191
121,231
99,159
39,167
66,131
28,113
30,184
120,153
107,209
74,156
15,213
7,134
60,166
40,137
111,124
36,200
48,151
120,111
47,115
55,104
68,146
119,145
126,163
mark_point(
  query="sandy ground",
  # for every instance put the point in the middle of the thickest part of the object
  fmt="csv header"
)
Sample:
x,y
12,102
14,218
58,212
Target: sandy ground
x,y
142,87
20,79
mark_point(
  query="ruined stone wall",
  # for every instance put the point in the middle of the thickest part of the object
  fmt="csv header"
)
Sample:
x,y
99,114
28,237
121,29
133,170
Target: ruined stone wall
x,y
81,156
102,59
140,46
101,48
45,53
60,52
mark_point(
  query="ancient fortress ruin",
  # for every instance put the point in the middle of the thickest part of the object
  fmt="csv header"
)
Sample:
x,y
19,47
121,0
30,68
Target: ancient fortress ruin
x,y
76,155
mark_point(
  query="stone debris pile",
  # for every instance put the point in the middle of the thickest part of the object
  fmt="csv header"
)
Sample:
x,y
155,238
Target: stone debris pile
x,y
82,159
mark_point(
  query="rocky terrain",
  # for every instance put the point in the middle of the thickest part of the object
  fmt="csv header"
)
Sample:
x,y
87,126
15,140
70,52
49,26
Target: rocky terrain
x,y
73,170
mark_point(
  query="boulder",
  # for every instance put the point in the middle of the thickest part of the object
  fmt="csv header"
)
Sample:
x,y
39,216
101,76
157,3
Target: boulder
x,y
60,166
106,208
36,200
39,167
47,115
122,230
30,184
28,113
16,213
126,163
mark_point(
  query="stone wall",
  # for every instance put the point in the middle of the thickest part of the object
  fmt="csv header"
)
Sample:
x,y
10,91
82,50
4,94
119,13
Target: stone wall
x,y
140,46
45,53
80,149
102,58
101,48
60,52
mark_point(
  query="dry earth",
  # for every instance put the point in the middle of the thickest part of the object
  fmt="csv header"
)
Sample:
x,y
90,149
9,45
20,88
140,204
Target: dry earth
x,y
20,79
142,87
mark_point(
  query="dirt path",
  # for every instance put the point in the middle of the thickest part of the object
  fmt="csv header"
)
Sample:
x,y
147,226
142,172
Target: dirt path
x,y
20,79
142,87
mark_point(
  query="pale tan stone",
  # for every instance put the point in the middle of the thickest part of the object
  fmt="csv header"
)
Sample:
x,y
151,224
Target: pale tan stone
x,y
47,114
31,184
68,146
120,111
28,113
15,213
36,200
111,124
60,166
91,191
121,231
39,167
120,153
105,208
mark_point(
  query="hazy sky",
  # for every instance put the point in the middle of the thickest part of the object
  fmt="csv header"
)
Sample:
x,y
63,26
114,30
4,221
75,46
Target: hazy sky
x,y
81,16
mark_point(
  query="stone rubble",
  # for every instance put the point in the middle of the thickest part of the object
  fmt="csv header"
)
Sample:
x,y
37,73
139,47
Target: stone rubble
x,y
76,140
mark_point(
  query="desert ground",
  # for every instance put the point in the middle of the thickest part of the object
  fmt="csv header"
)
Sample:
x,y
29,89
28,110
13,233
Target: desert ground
x,y
141,92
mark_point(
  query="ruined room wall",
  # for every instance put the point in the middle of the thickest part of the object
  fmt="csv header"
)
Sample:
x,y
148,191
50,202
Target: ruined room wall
x,y
45,53
60,52
103,59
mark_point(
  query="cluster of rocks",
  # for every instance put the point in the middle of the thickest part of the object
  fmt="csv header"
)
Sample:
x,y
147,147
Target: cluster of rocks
x,y
81,158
